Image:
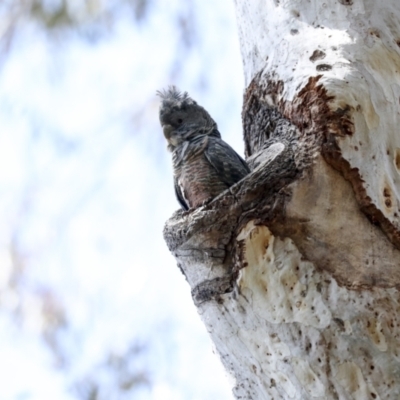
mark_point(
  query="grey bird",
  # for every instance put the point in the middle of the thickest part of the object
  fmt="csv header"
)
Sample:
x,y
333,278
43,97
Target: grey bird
x,y
203,164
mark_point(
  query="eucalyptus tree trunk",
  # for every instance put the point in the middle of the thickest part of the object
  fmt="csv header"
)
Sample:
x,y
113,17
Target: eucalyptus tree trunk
x,y
295,270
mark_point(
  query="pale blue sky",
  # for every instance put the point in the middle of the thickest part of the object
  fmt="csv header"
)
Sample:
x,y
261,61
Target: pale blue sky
x,y
85,189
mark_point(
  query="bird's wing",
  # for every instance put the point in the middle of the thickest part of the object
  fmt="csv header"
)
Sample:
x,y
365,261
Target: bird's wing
x,y
230,167
179,195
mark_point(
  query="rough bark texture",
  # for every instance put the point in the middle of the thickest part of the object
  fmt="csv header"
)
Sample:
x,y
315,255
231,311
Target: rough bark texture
x,y
332,68
295,270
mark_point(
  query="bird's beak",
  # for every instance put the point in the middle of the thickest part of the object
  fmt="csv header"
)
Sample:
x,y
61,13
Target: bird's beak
x,y
167,130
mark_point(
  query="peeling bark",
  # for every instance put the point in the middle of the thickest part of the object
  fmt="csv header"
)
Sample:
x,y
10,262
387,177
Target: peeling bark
x,y
295,270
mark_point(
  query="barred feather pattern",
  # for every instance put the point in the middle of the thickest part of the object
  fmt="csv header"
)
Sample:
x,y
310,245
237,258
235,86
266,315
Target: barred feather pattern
x,y
204,165
205,168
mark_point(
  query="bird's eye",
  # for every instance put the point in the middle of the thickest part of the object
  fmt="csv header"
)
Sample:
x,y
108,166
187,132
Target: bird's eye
x,y
180,120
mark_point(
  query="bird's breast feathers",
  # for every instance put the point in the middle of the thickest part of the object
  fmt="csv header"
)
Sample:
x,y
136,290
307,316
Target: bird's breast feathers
x,y
189,150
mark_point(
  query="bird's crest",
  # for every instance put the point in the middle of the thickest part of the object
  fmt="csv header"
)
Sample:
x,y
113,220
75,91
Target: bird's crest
x,y
174,95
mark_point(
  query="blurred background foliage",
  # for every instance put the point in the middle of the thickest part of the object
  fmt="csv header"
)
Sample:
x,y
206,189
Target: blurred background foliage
x,y
56,15
92,305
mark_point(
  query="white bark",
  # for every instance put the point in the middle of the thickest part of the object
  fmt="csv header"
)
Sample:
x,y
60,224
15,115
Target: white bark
x,y
355,46
295,270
